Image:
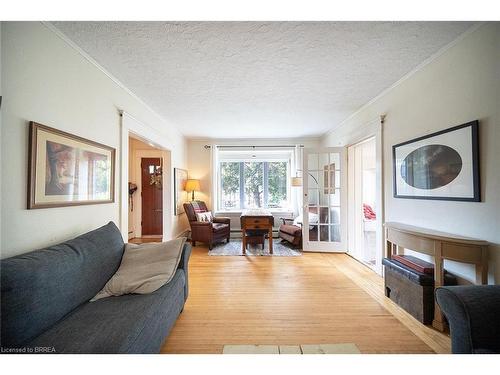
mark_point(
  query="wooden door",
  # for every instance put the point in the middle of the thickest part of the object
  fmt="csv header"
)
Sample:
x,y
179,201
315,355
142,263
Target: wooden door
x,y
152,197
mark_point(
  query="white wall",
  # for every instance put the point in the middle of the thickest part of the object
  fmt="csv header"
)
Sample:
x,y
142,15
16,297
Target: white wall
x,y
46,80
460,85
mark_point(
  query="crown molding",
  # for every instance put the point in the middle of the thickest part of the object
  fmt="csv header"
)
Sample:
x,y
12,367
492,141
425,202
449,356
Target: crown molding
x,y
273,141
408,75
91,60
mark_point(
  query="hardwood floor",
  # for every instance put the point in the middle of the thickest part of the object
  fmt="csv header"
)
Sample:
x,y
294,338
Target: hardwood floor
x,y
312,299
138,240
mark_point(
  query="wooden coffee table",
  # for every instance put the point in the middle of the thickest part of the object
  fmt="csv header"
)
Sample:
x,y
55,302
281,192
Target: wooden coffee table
x,y
257,220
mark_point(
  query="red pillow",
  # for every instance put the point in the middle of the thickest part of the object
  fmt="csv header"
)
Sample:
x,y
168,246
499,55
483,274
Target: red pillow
x,y
368,212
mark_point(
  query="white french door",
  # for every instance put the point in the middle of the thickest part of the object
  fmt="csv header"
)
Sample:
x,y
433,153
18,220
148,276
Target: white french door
x,y
324,200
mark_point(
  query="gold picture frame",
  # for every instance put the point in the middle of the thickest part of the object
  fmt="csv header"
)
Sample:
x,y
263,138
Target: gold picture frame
x,y
68,170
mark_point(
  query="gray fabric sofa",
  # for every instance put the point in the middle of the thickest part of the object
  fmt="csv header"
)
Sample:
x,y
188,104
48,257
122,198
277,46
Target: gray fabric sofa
x,y
45,300
473,313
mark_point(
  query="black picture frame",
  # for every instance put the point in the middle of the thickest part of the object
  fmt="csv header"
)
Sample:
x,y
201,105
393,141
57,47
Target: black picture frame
x,y
476,182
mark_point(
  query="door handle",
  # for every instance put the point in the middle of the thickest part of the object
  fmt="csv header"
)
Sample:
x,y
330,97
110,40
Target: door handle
x,y
158,210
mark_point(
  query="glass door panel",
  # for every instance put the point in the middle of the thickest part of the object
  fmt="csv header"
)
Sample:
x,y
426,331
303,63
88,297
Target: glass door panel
x,y
323,212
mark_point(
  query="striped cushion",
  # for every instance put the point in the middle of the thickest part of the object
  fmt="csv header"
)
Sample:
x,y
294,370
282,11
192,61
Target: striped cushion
x,y
197,207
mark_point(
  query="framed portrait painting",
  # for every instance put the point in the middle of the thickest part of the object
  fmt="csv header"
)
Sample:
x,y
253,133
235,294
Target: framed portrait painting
x,y
440,166
67,170
180,178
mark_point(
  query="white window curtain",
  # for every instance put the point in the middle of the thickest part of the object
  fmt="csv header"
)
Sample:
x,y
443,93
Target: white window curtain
x,y
297,171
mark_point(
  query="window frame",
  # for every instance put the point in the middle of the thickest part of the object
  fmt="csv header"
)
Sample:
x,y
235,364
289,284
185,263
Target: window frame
x,y
265,183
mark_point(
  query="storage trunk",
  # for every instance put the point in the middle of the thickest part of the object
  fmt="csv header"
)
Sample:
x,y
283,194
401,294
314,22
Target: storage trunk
x,y
412,290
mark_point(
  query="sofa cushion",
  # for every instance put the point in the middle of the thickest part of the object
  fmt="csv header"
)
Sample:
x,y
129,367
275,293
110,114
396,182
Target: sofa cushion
x,y
125,324
292,230
144,268
41,287
217,227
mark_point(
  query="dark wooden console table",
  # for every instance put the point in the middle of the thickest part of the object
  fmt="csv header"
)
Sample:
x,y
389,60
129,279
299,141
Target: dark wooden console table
x,y
441,246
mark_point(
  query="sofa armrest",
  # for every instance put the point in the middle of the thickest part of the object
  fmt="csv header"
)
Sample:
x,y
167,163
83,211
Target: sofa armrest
x,y
183,265
472,312
222,220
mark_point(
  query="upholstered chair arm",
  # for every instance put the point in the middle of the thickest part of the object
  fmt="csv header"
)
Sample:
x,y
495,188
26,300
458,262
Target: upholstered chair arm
x,y
286,221
201,231
222,220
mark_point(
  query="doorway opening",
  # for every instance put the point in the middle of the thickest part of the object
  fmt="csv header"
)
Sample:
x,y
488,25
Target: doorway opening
x,y
146,190
363,203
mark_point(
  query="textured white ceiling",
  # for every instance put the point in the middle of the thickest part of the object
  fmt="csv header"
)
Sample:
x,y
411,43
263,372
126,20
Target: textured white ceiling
x,y
259,79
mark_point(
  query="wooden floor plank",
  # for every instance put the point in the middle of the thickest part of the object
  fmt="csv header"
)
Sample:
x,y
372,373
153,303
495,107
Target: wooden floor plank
x,y
312,299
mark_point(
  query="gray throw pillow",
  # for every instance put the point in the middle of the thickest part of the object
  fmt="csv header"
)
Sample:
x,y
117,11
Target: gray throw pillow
x,y
144,268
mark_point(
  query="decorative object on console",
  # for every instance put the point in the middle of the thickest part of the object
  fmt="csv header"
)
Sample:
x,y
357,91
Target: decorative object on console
x,y
192,185
415,263
67,170
443,165
180,178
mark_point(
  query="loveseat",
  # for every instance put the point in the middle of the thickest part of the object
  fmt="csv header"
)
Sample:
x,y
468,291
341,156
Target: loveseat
x,y
45,300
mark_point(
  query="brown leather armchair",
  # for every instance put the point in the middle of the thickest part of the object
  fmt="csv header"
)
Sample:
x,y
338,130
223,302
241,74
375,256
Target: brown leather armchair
x,y
210,233
290,232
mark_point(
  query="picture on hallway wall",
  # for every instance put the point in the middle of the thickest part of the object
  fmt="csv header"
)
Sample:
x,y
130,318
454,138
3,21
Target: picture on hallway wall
x,y
180,178
440,166
67,170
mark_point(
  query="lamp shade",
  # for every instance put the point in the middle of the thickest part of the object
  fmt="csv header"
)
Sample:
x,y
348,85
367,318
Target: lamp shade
x,y
296,181
192,185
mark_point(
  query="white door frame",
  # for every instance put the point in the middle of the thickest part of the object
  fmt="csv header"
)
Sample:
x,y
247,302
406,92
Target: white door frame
x,y
373,131
331,247
137,159
131,126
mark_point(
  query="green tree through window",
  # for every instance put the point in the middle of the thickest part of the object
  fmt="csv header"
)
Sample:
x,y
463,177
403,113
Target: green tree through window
x,y
253,184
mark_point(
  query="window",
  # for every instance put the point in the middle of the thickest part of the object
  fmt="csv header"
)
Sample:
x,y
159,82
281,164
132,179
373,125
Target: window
x,y
253,184
230,185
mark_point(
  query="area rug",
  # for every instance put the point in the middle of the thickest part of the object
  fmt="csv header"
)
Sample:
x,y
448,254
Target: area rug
x,y
347,348
234,247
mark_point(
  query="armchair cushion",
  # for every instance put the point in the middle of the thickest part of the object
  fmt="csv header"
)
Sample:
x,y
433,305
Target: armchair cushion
x,y
217,227
223,220
292,230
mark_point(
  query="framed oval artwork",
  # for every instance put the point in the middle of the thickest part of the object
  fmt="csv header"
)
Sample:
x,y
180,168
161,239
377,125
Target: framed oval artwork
x,y
442,165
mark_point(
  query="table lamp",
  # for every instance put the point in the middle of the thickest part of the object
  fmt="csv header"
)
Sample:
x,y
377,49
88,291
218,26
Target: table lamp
x,y
192,185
